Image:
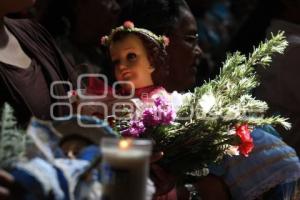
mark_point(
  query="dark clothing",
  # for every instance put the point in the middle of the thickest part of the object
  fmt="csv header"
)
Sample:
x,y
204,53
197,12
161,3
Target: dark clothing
x,y
28,90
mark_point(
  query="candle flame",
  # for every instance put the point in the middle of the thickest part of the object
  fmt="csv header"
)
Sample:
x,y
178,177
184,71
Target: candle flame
x,y
125,144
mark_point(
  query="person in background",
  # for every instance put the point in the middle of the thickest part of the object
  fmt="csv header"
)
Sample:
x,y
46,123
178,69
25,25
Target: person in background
x,y
77,26
223,182
215,24
30,62
252,24
175,20
182,35
282,76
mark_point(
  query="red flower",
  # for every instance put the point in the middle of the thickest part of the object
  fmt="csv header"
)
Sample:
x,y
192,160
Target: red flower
x,y
73,93
128,25
246,145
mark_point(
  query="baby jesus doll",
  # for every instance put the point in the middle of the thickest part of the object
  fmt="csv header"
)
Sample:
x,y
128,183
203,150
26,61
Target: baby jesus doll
x,y
138,58
139,64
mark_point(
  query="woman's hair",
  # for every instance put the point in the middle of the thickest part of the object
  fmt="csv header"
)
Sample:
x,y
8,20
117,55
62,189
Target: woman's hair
x,y
156,54
158,16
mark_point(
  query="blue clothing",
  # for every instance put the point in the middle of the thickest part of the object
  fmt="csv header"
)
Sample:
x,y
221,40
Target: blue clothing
x,y
282,191
48,174
271,163
41,180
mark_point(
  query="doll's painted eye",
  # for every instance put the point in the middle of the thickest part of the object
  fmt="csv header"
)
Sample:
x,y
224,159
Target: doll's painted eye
x,y
131,56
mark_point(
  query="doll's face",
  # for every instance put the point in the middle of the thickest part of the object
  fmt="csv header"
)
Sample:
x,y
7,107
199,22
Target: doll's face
x,y
130,62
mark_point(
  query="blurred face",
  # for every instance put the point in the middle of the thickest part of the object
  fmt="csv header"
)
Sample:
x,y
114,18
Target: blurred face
x,y
131,63
184,53
12,6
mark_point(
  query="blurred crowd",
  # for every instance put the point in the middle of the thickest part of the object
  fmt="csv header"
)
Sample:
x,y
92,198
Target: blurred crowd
x,y
219,23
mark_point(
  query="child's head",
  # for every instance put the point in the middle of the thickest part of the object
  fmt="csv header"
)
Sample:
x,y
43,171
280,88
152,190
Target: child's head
x,y
137,56
130,61
73,144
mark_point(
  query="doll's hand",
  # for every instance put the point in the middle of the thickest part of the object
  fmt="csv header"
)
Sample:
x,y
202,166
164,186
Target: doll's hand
x,y
164,181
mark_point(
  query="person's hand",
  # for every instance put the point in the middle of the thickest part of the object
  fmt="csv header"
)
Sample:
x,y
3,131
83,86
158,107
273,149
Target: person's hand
x,y
164,181
212,187
6,182
156,156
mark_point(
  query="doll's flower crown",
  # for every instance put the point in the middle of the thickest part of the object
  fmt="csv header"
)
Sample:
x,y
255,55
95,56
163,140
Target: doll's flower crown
x,y
128,26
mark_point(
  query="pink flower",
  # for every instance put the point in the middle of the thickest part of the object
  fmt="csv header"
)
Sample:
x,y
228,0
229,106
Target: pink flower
x,y
104,40
166,40
128,25
160,113
246,145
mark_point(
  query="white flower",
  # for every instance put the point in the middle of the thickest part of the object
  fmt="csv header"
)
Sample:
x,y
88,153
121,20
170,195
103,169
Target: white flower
x,y
232,151
232,113
187,97
207,102
177,99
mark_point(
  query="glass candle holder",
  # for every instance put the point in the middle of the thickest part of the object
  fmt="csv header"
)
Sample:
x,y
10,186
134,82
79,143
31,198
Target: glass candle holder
x,y
125,168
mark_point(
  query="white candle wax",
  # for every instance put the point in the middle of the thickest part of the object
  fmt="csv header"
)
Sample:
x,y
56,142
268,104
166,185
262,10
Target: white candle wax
x,y
125,172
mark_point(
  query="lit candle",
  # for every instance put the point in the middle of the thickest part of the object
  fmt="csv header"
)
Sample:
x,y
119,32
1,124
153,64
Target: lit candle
x,y
125,168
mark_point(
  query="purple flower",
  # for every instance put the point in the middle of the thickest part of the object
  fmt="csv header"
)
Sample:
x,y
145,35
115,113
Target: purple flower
x,y
160,101
168,117
150,117
135,129
161,113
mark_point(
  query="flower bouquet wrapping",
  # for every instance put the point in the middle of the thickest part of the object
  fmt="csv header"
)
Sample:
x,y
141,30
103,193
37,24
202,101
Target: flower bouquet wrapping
x,y
198,128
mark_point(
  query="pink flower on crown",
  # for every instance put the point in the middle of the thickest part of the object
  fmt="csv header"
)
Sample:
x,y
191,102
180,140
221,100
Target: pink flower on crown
x,y
166,40
128,25
104,40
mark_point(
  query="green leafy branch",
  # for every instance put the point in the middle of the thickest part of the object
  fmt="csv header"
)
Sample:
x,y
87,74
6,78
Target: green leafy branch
x,y
214,109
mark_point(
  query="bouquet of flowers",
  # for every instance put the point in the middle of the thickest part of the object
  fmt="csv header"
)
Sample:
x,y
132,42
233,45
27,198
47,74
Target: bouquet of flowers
x,y
199,128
